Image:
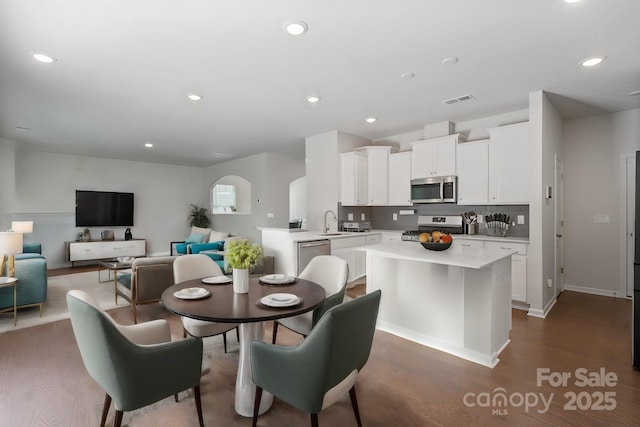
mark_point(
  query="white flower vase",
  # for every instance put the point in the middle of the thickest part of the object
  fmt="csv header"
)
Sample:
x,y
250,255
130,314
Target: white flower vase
x,y
241,280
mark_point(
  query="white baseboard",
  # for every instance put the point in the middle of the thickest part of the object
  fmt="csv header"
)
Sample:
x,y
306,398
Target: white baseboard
x,y
594,291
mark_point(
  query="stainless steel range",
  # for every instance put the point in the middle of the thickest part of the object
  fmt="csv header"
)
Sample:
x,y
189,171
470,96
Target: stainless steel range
x,y
451,224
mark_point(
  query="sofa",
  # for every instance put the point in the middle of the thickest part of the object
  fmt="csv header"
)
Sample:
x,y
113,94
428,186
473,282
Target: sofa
x,y
207,242
31,271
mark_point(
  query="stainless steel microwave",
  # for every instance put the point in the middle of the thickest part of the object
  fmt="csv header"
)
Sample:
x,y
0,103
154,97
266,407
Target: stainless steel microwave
x,y
441,189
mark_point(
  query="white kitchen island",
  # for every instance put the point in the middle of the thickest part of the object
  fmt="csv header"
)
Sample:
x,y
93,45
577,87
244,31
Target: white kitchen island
x,y
457,300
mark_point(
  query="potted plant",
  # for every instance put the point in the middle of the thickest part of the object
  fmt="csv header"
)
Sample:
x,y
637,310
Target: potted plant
x,y
198,217
242,256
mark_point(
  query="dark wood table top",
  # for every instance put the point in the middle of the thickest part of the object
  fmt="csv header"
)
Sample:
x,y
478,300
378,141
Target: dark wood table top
x,y
226,306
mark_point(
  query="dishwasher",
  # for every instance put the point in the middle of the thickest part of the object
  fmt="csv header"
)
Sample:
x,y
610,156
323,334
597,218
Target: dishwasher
x,y
310,249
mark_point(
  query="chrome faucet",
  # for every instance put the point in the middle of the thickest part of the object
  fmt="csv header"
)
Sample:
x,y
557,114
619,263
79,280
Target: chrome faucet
x,y
335,218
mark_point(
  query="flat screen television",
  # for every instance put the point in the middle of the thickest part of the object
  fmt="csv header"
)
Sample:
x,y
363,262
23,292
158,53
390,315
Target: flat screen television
x,y
103,208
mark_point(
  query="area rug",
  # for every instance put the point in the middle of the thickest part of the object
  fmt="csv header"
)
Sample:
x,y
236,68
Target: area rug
x,y
55,308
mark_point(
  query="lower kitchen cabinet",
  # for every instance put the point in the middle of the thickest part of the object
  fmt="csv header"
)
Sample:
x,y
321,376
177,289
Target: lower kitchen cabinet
x,y
344,248
518,263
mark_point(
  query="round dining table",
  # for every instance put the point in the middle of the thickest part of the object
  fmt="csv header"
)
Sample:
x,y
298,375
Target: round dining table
x,y
226,306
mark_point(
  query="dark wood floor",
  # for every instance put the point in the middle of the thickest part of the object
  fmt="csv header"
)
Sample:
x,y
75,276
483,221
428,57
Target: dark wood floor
x,y
43,381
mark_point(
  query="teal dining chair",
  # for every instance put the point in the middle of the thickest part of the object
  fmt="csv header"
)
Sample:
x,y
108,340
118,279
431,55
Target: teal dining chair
x,y
317,372
130,362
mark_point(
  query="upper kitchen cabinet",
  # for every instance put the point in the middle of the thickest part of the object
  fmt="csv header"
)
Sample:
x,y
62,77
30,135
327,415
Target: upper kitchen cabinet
x,y
434,157
353,183
400,179
377,173
472,166
510,164
497,170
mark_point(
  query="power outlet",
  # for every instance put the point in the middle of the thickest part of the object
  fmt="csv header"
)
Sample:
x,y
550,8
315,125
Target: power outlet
x,y
520,219
349,217
550,283
362,217
395,216
270,215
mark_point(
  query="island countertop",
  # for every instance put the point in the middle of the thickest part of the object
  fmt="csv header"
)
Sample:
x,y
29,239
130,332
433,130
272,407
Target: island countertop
x,y
457,256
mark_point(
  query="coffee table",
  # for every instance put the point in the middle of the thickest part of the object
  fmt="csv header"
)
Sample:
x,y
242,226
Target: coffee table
x,y
226,306
112,266
5,282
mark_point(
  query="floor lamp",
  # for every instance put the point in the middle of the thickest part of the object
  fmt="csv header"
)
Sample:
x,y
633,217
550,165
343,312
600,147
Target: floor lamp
x,y
10,244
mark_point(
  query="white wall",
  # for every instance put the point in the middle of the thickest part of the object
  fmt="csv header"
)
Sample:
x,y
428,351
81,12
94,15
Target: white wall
x,y
45,187
594,153
323,172
7,181
269,175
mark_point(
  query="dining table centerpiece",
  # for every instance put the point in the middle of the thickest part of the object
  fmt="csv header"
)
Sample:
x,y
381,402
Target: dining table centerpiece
x,y
242,256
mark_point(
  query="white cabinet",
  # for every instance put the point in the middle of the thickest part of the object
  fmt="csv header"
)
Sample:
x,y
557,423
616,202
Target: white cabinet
x,y
377,174
434,157
353,184
342,248
510,164
391,237
518,268
468,243
400,179
88,251
472,164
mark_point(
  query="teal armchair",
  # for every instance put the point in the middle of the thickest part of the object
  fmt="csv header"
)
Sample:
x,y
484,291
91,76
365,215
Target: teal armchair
x,y
317,372
130,362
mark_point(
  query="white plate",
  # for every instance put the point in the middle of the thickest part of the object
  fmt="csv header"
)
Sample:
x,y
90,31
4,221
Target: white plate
x,y
216,280
191,293
277,279
280,300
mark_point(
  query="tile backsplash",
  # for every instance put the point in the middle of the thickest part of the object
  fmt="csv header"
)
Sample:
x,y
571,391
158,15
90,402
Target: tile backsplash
x,y
381,217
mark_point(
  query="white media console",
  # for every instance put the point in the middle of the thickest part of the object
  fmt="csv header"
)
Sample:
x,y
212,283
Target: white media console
x,y
105,249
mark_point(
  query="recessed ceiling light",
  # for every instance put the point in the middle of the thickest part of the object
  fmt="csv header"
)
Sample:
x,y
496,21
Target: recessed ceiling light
x,y
634,93
295,27
148,144
313,99
571,1
407,76
194,96
594,60
370,119
47,59
450,60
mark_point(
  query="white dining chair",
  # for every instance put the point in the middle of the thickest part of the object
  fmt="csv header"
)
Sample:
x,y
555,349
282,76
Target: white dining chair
x,y
197,266
330,272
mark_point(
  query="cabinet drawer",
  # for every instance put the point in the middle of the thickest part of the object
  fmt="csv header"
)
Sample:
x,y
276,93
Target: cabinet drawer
x,y
374,238
391,237
520,247
348,242
123,248
85,251
474,244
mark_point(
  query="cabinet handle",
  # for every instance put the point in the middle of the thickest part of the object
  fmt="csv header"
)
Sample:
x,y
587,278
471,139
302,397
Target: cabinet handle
x,y
504,247
465,244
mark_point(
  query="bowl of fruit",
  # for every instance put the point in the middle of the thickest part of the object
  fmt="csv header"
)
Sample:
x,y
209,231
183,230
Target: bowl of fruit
x,y
435,241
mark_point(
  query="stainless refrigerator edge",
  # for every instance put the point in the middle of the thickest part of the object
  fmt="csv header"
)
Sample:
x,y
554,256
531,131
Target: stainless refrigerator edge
x,y
635,326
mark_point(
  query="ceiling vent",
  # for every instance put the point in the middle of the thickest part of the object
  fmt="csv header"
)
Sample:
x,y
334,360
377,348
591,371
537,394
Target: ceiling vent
x,y
458,99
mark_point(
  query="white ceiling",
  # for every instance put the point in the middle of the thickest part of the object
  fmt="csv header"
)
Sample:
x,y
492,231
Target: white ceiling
x,y
124,68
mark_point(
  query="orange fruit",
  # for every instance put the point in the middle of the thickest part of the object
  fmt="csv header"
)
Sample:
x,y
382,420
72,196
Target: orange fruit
x,y
424,237
446,238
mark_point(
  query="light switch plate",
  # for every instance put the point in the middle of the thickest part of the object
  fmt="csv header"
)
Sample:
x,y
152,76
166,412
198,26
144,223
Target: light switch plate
x,y
362,217
350,217
520,219
601,218
395,216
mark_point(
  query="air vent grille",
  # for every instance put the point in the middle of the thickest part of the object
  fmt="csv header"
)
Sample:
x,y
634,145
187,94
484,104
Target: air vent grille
x,y
458,99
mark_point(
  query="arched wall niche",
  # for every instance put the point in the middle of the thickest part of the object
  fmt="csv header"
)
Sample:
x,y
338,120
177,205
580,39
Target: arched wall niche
x,y
231,194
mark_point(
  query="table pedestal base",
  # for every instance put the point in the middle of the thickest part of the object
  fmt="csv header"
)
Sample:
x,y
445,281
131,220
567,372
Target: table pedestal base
x,y
245,388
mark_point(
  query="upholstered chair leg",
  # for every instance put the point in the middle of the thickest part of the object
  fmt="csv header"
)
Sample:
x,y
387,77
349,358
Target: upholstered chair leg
x,y
275,332
117,422
135,313
196,396
256,406
224,341
184,333
175,397
314,420
105,409
354,403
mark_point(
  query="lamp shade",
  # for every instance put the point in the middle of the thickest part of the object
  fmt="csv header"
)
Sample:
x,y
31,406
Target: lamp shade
x,y
22,226
10,243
